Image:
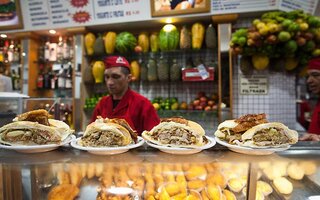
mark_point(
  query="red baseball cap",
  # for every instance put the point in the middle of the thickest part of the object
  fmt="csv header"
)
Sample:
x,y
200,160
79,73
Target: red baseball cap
x,y
314,64
116,61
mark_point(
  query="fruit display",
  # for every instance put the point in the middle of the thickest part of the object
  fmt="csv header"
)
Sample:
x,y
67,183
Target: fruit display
x,y
91,102
160,103
203,102
290,36
168,38
98,71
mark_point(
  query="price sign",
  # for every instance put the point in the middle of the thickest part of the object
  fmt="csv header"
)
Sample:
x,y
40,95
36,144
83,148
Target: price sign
x,y
255,84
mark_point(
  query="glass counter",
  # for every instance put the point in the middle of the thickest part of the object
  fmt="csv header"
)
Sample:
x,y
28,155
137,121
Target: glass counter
x,y
147,173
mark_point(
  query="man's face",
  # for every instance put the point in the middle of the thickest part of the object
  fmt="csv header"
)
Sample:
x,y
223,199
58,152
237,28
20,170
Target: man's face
x,y
117,82
313,81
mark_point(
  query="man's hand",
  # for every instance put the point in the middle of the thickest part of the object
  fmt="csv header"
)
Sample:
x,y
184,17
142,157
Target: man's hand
x,y
310,137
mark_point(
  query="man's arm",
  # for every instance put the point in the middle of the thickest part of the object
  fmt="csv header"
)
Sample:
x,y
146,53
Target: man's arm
x,y
310,137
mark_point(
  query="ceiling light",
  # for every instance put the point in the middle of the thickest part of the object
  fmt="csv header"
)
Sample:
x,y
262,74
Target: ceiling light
x,y
52,31
169,20
3,36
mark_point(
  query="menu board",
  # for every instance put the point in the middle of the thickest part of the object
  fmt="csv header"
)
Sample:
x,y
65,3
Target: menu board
x,y
240,6
308,6
39,14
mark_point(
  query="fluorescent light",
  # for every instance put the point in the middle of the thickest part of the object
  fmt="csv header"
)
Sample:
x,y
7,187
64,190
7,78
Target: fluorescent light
x,y
3,36
52,31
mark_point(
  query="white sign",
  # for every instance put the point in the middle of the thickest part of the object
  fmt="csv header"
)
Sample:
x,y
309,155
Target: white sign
x,y
308,6
40,14
240,6
255,84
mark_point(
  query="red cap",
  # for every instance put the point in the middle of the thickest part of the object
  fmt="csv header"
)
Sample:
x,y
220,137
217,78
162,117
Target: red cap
x,y
314,64
116,61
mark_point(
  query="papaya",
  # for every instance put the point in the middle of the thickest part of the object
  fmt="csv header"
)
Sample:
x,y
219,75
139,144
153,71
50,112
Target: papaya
x,y
135,70
98,71
89,40
87,77
197,34
98,46
163,69
185,38
143,71
246,66
143,42
154,42
110,42
211,37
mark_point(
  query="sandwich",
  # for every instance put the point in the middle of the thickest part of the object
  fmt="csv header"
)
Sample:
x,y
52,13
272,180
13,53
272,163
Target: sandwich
x,y
176,132
30,133
34,128
273,134
108,133
232,130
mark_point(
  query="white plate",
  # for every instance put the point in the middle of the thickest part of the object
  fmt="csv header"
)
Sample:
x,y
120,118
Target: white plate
x,y
251,151
107,150
38,148
183,150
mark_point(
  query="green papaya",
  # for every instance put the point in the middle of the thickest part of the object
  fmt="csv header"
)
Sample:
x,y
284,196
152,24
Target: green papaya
x,y
211,37
98,46
163,69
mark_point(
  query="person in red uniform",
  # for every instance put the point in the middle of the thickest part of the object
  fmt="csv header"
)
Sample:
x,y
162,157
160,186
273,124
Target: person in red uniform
x,y
313,82
123,102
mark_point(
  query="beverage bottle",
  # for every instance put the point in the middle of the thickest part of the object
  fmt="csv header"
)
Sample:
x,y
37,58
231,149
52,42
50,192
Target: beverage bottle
x,y
13,79
60,50
65,50
69,77
10,51
61,78
47,50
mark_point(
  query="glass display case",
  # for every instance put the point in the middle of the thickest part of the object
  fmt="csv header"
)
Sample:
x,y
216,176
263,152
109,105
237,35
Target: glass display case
x,y
146,173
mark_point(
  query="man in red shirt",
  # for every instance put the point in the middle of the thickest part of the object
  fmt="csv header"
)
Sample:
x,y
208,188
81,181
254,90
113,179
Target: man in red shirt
x,y
123,102
313,82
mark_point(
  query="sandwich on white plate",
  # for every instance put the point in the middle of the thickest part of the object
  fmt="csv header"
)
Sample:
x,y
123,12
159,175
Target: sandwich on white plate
x,y
108,133
177,132
34,128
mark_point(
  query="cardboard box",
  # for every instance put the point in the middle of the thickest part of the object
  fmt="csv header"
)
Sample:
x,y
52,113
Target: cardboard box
x,y
193,74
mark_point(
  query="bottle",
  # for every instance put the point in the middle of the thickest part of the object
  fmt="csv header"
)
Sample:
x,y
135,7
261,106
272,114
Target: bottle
x,y
46,80
10,51
18,79
60,50
47,51
16,53
65,50
69,77
61,78
53,80
13,79
71,50
40,80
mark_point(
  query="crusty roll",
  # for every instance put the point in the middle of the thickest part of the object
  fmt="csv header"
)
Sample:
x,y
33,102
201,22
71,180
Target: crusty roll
x,y
176,134
273,134
29,133
101,134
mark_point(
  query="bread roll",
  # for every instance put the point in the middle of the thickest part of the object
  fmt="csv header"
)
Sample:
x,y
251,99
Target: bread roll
x,y
283,185
295,171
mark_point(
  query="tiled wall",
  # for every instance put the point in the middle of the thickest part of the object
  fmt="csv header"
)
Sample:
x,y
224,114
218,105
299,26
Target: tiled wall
x,y
279,104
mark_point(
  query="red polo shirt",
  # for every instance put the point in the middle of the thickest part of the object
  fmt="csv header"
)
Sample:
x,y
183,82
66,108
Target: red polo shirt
x,y
314,126
133,107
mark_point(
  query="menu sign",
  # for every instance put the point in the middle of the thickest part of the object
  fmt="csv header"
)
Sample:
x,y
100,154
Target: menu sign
x,y
308,6
255,84
39,14
239,6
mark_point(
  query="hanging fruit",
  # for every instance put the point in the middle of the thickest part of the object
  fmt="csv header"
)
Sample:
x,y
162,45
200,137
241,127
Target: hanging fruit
x,y
110,42
260,61
154,42
143,41
125,42
98,46
98,71
135,70
89,40
185,38
168,38
211,37
197,33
